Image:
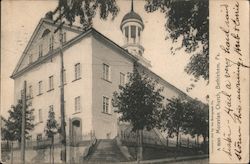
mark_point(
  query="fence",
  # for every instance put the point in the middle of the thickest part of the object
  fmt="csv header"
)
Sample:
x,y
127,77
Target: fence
x,y
42,143
152,138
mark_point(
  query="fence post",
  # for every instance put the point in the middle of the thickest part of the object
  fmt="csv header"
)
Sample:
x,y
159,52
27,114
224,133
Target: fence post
x,y
11,152
198,141
195,142
180,140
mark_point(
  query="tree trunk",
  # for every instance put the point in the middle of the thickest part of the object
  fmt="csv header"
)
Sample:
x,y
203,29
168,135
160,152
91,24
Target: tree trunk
x,y
177,144
204,147
139,145
197,141
53,149
167,141
141,142
50,153
204,139
11,147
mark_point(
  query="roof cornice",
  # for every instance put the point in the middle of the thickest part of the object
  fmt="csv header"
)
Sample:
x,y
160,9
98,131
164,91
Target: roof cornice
x,y
131,20
41,21
68,45
72,28
75,40
28,45
121,49
51,54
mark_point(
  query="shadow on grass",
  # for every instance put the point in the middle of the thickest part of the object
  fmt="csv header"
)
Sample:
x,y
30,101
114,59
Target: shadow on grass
x,y
150,153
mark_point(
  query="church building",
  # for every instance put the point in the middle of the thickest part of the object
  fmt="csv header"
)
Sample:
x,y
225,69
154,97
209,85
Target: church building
x,y
94,67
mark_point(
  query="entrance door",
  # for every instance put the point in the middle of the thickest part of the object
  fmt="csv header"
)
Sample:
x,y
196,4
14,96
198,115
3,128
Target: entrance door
x,y
76,132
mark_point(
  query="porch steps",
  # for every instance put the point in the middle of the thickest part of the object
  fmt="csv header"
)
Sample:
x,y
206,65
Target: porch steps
x,y
106,151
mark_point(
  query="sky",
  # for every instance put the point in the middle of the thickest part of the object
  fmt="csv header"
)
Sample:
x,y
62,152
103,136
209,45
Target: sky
x,y
20,17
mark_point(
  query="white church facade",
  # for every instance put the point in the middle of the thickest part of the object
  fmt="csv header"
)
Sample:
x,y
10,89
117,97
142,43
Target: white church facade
x,y
94,67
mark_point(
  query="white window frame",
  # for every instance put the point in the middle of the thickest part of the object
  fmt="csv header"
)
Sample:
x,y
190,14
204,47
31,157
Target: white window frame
x,y
51,82
77,71
40,50
106,72
106,108
40,89
77,104
30,91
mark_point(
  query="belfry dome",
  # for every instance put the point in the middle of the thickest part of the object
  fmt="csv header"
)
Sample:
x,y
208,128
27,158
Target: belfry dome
x,y
132,16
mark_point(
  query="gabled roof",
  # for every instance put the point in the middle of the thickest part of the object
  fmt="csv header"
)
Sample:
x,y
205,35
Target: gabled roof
x,y
73,41
43,20
70,43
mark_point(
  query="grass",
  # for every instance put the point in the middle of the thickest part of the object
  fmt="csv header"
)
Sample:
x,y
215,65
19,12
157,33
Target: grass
x,y
159,153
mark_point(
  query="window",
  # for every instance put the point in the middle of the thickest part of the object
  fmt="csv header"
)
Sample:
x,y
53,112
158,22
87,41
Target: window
x,y
30,58
106,72
77,104
39,137
133,33
105,105
122,79
40,87
40,115
126,32
40,50
30,91
51,83
51,43
51,108
77,71
64,37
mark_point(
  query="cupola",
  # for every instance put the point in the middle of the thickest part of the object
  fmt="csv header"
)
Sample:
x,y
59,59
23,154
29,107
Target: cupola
x,y
132,26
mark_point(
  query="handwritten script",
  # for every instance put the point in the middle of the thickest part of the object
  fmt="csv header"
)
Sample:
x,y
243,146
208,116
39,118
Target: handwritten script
x,y
227,106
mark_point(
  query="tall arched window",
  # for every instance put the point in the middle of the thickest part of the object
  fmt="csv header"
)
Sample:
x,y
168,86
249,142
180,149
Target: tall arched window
x,y
126,33
133,33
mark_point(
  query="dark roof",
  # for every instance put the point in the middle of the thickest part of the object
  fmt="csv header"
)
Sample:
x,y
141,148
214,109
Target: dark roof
x,y
132,15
